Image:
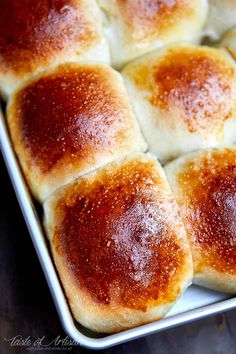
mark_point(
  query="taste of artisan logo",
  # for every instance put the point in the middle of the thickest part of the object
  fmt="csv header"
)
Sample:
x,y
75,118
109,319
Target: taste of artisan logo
x,y
30,343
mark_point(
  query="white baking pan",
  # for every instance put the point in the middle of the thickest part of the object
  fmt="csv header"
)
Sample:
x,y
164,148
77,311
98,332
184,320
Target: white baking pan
x,y
196,303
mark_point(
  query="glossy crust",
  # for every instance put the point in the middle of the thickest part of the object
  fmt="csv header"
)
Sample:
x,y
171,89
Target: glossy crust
x,y
222,16
184,97
35,35
135,27
70,121
228,41
204,184
119,245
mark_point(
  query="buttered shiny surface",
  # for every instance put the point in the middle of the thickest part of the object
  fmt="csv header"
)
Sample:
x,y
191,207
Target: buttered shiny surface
x,y
70,114
184,97
136,27
201,85
121,236
208,205
197,83
154,17
69,121
33,32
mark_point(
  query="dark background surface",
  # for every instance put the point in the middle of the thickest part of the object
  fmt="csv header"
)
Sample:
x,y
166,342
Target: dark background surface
x,y
27,309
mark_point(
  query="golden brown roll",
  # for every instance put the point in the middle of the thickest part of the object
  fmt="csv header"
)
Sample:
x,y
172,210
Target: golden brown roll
x,y
184,97
228,41
222,16
69,121
35,35
119,244
135,27
204,185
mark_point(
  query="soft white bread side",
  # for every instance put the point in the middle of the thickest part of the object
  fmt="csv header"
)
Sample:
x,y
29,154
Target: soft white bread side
x,y
184,97
119,244
228,41
204,185
37,35
222,16
69,121
135,27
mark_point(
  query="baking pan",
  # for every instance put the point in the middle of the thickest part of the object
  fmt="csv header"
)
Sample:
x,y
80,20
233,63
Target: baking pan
x,y
196,302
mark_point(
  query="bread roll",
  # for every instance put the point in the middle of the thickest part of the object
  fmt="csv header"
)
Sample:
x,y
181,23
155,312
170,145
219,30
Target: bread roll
x,y
184,97
204,185
135,27
222,16
229,42
69,121
35,35
119,245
